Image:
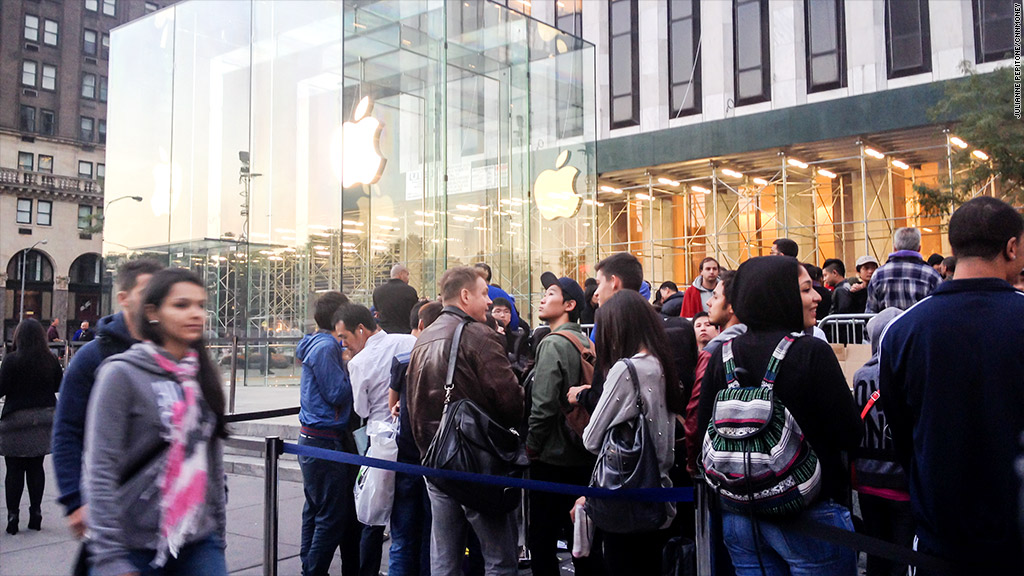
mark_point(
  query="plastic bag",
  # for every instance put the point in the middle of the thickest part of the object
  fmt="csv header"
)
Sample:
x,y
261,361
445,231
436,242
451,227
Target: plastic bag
x,y
375,488
582,534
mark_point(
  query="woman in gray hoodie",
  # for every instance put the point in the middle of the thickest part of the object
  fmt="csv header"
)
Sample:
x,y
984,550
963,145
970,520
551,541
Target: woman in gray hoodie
x,y
154,471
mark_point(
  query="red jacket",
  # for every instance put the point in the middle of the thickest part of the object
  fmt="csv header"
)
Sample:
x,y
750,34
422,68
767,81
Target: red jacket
x,y
692,302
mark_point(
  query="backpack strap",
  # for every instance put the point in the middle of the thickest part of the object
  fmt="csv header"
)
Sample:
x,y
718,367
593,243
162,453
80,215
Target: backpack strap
x,y
449,381
575,342
777,356
636,384
730,365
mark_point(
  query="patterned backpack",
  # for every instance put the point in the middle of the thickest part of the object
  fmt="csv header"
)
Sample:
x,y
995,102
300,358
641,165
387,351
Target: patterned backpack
x,y
755,456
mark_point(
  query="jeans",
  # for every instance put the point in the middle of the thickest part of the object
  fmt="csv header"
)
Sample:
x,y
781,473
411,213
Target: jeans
x,y
371,550
498,537
202,558
328,516
781,551
892,521
18,470
410,528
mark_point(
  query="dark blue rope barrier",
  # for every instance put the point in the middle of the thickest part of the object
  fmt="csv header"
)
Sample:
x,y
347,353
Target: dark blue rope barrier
x,y
639,495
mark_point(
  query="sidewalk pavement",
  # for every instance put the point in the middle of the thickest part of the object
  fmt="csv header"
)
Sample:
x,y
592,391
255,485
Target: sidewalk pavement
x,y
52,551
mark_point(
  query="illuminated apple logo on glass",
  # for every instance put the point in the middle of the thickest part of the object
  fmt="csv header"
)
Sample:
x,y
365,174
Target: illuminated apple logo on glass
x,y
555,190
362,162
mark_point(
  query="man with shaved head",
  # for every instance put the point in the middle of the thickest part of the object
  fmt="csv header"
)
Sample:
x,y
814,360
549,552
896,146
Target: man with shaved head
x,y
394,300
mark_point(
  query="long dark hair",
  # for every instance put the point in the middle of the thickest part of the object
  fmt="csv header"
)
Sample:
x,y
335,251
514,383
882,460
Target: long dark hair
x,y
209,379
30,339
627,323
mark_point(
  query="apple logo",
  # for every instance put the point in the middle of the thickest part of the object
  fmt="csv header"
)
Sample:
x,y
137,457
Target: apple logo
x,y
555,190
361,159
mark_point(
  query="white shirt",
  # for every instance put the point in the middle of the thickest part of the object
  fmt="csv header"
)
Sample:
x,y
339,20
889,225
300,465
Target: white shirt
x,y
370,373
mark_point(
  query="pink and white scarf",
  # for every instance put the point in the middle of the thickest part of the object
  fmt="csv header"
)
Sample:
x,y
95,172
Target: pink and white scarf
x,y
183,484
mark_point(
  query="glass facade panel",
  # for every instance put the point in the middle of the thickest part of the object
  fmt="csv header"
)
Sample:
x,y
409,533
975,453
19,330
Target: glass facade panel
x,y
292,147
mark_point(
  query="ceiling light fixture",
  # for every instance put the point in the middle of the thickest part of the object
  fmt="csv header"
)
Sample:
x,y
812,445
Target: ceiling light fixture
x,y
797,163
901,164
874,153
980,155
607,188
827,173
700,189
642,196
760,181
668,182
731,172
957,142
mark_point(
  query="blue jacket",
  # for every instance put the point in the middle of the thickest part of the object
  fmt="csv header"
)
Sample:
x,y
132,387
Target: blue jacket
x,y
325,393
951,377
69,422
495,292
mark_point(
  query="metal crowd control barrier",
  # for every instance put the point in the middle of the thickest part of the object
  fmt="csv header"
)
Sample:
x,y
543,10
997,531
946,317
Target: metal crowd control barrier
x,y
845,328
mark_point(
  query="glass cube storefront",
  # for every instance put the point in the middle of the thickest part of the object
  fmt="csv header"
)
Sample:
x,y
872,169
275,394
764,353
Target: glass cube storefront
x,y
284,148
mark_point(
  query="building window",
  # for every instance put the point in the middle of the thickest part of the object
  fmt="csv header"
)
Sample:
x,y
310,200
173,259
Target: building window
x,y
92,5
44,212
27,119
28,73
751,51
102,130
569,16
825,28
49,77
624,63
993,30
110,7
907,37
103,89
87,126
89,86
101,172
84,217
105,46
31,28
151,7
89,42
25,160
684,57
24,211
50,32
47,122
84,169
45,164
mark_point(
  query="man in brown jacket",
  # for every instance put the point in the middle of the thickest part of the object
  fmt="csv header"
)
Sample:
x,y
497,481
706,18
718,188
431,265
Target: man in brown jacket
x,y
482,374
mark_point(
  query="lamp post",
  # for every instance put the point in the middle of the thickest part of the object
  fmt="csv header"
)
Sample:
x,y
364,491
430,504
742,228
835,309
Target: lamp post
x,y
103,217
24,256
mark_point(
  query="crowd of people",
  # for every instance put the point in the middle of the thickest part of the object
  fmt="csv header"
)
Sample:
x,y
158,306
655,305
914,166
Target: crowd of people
x,y
927,442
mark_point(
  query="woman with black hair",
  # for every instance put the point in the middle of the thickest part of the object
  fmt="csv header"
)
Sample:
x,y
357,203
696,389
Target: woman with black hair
x,y
775,297
29,380
589,303
629,328
154,471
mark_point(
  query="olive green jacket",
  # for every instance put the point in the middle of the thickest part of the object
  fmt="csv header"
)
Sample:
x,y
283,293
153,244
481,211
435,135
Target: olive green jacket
x,y
557,368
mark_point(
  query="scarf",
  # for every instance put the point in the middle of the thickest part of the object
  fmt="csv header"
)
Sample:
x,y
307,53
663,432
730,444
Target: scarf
x,y
183,485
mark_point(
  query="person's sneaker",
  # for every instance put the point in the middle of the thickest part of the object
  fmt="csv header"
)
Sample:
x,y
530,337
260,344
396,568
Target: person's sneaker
x,y
524,557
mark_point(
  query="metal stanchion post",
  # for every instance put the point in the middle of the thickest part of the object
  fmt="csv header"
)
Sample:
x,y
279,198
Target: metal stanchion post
x,y
234,377
274,447
705,547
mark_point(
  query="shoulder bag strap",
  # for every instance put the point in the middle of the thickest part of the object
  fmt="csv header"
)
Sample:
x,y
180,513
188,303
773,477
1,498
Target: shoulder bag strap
x,y
575,342
777,356
636,384
449,380
730,365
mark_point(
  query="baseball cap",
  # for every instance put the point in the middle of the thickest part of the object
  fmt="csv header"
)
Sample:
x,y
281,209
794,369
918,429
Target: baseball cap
x,y
570,288
866,260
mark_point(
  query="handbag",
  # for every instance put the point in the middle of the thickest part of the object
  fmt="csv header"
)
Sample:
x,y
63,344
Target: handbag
x,y
26,433
627,460
468,440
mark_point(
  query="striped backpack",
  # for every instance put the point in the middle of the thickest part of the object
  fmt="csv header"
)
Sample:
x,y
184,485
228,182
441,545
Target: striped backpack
x,y
755,456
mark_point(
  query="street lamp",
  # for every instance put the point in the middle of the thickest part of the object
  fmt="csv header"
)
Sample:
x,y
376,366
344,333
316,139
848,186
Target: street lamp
x,y
24,256
103,216
136,198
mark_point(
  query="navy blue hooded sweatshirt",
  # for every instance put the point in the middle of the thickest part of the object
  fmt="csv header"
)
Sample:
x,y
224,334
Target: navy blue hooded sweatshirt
x,y
951,375
112,338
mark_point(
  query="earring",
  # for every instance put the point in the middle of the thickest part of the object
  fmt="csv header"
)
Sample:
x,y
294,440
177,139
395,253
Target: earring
x,y
154,321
